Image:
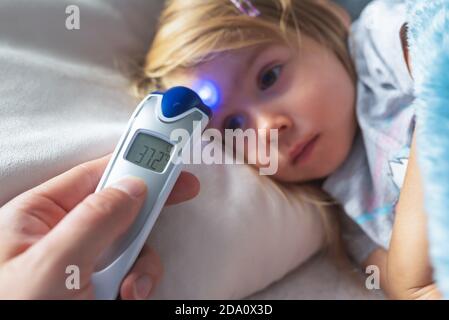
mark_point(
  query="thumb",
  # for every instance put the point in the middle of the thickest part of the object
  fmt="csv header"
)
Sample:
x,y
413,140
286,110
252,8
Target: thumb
x,y
94,224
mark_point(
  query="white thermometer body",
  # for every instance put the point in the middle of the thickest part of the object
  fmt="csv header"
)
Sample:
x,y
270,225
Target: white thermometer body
x,y
146,151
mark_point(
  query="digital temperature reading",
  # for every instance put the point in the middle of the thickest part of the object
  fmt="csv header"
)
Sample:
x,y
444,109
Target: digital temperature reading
x,y
150,152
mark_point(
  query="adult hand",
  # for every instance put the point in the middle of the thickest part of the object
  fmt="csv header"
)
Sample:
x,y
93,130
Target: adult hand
x,y
63,223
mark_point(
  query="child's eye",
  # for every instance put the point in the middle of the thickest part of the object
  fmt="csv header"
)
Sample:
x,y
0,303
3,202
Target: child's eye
x,y
234,122
269,77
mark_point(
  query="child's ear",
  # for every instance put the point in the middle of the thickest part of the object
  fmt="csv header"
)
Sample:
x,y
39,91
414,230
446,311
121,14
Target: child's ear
x,y
405,46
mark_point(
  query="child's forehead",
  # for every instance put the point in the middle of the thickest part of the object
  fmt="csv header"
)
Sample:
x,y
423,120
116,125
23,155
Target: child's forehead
x,y
227,68
239,60
233,58
226,72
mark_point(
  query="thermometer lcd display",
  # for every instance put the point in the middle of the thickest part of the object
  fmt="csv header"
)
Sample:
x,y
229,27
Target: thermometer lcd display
x,y
149,152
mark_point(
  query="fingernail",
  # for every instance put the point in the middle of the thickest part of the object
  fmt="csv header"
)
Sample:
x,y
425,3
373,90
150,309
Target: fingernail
x,y
142,287
135,187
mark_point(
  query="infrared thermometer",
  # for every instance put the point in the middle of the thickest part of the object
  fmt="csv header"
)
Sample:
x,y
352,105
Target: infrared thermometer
x,y
146,150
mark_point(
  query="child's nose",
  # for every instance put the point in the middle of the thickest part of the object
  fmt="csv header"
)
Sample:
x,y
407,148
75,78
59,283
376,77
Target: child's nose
x,y
280,122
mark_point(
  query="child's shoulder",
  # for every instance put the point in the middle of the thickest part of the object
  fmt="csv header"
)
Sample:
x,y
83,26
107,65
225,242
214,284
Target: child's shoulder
x,y
382,16
376,46
368,183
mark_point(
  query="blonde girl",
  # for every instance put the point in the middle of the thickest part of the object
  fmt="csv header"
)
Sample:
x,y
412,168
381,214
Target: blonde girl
x,y
287,65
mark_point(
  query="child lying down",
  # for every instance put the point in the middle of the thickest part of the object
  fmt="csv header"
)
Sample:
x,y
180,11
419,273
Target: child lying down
x,y
340,97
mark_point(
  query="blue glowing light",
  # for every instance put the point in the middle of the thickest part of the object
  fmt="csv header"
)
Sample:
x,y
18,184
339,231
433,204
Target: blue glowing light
x,y
208,92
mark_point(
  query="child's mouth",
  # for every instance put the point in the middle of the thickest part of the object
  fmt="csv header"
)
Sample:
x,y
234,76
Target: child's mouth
x,y
302,151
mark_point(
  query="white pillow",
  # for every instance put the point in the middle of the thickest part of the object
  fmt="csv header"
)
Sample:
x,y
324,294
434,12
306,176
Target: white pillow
x,y
63,102
239,235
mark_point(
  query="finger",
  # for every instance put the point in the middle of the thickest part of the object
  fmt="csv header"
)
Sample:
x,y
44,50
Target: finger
x,y
144,276
71,187
33,214
94,224
186,187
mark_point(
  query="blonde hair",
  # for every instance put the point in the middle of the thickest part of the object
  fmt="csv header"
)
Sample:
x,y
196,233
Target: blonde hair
x,y
191,32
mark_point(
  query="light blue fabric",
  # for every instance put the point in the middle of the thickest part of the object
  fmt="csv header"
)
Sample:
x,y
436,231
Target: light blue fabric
x,y
429,53
369,181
